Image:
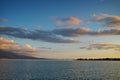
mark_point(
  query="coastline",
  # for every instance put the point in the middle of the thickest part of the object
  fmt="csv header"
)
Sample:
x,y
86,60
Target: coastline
x,y
98,59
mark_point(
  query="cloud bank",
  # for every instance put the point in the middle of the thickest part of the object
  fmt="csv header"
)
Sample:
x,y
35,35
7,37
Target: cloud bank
x,y
78,32
63,35
47,36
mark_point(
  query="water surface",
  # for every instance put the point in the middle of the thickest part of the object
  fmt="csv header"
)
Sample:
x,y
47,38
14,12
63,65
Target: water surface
x,y
59,70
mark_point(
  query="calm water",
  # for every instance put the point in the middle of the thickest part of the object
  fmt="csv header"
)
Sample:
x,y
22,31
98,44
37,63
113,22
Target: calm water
x,y
59,70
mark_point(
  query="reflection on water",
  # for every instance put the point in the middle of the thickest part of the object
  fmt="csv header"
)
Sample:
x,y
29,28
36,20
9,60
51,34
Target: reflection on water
x,y
59,70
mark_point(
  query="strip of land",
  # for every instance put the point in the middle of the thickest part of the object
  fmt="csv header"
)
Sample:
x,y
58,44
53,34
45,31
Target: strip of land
x,y
99,59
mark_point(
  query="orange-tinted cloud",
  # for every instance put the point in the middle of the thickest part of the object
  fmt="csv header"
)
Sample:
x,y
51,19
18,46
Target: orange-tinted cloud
x,y
68,22
11,46
108,20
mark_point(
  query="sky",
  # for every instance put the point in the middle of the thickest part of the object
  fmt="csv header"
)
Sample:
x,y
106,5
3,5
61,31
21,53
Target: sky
x,y
60,29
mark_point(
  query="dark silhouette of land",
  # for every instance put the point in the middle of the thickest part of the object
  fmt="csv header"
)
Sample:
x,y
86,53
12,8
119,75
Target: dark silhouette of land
x,y
99,59
12,55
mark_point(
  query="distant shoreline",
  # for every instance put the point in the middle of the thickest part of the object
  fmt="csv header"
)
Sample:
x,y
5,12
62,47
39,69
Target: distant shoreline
x,y
78,59
99,59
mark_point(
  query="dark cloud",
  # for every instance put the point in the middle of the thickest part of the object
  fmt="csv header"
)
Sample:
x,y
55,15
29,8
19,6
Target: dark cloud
x,y
103,46
56,35
68,22
108,20
85,31
72,32
42,35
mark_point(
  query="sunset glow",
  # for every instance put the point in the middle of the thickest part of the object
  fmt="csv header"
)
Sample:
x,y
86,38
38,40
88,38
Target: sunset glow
x,y
60,29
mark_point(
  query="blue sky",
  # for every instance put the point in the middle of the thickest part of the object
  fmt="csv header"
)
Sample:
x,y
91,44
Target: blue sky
x,y
61,20
30,13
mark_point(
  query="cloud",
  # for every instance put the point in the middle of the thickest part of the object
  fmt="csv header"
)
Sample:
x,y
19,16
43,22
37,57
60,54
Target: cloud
x,y
72,32
78,32
10,45
108,20
103,46
11,49
47,36
3,20
56,35
68,22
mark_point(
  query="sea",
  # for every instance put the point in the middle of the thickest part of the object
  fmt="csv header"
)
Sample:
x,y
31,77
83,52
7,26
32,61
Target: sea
x,y
30,69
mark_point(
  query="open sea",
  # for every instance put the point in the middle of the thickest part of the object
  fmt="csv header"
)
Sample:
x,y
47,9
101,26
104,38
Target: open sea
x,y
59,70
